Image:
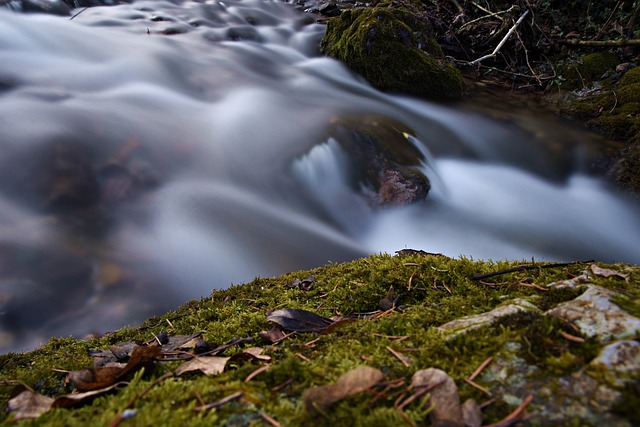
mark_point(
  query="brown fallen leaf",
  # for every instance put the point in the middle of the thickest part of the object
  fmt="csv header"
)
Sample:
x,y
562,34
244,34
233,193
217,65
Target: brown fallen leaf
x,y
605,272
214,365
354,381
101,377
76,399
254,353
447,410
292,319
29,404
274,335
208,365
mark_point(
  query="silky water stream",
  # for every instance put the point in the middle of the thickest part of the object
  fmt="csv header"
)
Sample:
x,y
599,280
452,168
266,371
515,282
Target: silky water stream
x,y
154,151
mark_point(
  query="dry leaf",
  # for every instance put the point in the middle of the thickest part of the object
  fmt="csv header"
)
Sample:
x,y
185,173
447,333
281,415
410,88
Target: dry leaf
x,y
305,284
256,353
75,399
605,272
29,404
299,320
101,377
209,365
355,381
447,410
274,335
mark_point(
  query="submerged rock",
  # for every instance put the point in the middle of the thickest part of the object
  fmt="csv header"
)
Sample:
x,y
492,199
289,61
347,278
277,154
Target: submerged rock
x,y
394,49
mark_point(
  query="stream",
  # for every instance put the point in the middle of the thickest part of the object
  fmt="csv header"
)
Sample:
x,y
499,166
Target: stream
x,y
154,151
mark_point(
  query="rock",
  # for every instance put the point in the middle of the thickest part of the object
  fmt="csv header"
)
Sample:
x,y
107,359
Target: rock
x,y
382,162
447,410
471,413
392,47
597,316
617,363
468,323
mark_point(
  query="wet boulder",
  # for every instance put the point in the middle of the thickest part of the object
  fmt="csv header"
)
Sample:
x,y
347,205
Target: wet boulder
x,y
383,161
393,47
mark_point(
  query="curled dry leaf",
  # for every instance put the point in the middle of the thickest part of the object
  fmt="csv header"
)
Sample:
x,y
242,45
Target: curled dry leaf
x,y
355,381
299,320
447,410
605,272
100,377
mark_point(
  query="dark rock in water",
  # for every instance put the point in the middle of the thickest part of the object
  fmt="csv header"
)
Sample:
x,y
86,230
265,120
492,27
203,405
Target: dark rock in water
x,y
382,161
329,9
54,7
393,47
37,284
55,177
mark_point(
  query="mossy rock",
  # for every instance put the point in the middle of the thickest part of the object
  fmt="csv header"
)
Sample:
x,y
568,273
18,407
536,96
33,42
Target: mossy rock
x,y
393,49
383,162
586,70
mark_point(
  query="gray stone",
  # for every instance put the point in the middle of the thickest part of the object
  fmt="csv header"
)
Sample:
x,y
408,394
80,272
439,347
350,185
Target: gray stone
x,y
596,315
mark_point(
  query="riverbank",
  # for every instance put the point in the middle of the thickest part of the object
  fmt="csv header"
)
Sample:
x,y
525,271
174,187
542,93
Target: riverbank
x,y
524,339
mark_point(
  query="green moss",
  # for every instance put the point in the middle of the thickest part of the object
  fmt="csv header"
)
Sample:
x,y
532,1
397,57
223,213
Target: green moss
x,y
629,402
631,77
433,289
587,69
393,49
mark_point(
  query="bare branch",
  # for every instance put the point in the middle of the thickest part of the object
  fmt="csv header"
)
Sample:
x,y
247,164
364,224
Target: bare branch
x,y
503,41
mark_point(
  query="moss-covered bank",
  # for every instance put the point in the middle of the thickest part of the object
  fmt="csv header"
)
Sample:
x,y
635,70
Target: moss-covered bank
x,y
532,353
610,102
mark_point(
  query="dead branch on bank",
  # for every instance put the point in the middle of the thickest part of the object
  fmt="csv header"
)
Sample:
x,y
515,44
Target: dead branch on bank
x,y
601,43
503,41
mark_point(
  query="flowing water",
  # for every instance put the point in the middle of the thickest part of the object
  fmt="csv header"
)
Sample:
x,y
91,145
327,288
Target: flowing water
x,y
154,151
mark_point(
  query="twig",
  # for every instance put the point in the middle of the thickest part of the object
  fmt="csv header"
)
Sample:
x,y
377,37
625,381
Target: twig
x,y
418,394
255,373
606,24
479,387
631,25
526,57
78,13
270,420
485,10
525,267
122,417
480,368
504,39
399,356
513,417
220,402
602,43
490,15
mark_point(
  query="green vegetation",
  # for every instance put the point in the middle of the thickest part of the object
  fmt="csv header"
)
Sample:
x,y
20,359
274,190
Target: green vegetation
x,y
431,290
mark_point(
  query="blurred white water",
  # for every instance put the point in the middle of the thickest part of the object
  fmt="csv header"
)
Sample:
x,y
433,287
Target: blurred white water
x,y
224,170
